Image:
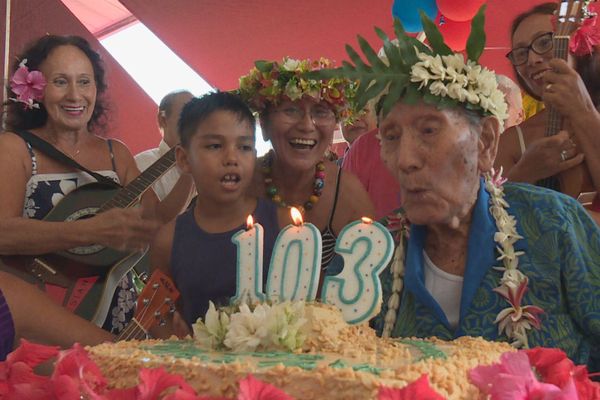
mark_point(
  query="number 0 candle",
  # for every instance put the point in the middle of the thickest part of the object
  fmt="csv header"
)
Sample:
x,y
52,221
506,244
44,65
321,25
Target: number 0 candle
x,y
249,244
366,248
296,262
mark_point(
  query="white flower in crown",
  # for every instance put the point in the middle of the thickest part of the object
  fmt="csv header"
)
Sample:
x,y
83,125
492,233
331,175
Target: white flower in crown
x,y
437,88
420,74
291,64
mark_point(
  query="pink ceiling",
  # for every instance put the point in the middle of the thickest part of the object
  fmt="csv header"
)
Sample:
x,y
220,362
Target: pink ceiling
x,y
221,39
132,111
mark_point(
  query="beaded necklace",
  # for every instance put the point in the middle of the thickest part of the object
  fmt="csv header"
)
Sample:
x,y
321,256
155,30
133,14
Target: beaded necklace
x,y
273,192
515,320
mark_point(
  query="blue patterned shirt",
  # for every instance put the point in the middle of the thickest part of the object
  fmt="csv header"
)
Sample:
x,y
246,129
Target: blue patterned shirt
x,y
562,261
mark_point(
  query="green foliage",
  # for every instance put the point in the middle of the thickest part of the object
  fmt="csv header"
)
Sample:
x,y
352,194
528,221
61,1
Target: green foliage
x,y
476,40
392,78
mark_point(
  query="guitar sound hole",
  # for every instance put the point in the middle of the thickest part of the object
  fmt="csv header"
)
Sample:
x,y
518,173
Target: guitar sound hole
x,y
84,213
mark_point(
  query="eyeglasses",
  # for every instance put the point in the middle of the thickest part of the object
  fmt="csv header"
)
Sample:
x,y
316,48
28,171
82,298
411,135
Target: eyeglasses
x,y
319,115
540,45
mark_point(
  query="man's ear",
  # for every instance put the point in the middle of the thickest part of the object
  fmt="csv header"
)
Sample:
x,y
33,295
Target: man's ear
x,y
161,119
182,159
488,143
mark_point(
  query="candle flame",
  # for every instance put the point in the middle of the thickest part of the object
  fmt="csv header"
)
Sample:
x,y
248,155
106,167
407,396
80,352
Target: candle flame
x,y
367,220
249,222
296,216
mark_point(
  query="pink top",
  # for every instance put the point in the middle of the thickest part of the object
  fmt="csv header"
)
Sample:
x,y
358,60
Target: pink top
x,y
364,161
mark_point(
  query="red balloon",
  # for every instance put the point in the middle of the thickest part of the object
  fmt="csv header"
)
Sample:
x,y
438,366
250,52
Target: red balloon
x,y
459,10
456,33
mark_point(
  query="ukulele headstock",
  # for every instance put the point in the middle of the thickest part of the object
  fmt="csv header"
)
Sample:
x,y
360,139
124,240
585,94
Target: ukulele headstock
x,y
570,14
157,301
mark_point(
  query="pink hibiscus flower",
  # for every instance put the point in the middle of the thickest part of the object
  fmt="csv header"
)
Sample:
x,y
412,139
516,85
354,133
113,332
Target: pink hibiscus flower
x,y
418,389
253,389
513,379
27,85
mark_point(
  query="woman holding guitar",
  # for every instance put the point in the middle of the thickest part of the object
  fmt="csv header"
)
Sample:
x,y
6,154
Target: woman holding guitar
x,y
58,89
539,150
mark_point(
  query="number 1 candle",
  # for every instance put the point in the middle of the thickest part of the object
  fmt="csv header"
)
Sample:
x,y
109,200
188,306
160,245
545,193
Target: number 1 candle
x,y
366,248
249,243
296,262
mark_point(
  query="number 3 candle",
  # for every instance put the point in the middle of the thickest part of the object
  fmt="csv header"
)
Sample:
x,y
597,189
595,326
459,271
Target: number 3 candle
x,y
296,262
249,244
366,248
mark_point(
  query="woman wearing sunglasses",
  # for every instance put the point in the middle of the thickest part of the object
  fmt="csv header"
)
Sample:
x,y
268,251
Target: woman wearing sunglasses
x,y
572,88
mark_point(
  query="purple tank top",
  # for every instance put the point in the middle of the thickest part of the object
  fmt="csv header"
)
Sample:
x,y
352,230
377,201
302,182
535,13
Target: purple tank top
x,y
7,329
204,265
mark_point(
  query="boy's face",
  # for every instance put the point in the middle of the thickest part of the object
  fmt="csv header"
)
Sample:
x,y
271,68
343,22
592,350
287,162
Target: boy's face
x,y
220,157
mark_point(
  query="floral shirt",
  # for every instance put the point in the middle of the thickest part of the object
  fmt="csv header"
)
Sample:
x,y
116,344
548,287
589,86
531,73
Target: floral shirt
x,y
561,260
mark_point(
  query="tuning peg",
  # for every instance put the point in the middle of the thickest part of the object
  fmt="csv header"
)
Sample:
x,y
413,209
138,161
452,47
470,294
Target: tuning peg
x,y
144,277
146,301
155,286
162,322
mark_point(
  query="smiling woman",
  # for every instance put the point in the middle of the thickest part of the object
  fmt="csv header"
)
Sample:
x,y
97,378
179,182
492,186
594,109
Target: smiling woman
x,y
67,110
298,116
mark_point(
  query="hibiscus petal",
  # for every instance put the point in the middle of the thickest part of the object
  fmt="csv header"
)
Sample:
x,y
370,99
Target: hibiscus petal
x,y
32,354
253,389
154,381
419,389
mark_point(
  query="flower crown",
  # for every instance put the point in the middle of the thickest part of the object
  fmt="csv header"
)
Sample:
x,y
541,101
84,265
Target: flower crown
x,y
28,86
268,83
409,71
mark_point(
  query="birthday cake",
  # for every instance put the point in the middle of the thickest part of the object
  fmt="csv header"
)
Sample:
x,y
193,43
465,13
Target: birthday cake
x,y
306,350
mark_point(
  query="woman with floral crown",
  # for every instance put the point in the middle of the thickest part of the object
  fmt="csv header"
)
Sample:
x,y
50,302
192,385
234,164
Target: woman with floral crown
x,y
571,88
299,115
510,262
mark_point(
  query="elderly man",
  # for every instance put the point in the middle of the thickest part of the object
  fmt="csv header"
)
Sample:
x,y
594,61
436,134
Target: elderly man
x,y
475,257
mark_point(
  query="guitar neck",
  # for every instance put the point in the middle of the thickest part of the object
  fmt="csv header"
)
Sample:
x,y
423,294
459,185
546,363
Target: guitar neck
x,y
560,41
133,331
129,195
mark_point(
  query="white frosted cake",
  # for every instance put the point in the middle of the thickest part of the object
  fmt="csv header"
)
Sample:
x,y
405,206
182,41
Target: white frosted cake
x,y
313,354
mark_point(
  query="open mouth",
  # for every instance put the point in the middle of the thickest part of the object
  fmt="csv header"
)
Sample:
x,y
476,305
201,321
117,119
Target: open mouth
x,y
229,180
302,144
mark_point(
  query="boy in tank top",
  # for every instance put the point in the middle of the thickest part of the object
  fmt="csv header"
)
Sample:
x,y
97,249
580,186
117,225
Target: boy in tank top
x,y
217,133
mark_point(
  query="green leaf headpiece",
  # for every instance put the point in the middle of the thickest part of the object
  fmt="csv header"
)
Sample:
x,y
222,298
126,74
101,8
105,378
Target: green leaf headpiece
x,y
410,71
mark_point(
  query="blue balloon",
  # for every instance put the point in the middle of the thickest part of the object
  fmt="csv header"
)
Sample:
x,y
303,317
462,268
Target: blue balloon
x,y
407,11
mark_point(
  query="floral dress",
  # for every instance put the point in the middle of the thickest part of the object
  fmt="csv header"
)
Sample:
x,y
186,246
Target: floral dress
x,y
43,192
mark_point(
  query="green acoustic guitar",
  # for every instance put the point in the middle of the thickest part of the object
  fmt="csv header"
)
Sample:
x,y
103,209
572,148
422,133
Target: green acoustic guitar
x,y
84,279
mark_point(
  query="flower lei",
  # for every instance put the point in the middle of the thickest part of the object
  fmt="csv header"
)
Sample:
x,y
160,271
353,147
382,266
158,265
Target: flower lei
x,y
28,86
470,83
268,83
513,321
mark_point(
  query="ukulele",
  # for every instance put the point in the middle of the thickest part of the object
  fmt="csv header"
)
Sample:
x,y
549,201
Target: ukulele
x,y
575,182
154,304
84,279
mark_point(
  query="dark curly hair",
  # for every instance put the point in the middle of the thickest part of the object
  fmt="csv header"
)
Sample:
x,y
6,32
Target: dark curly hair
x,y
36,53
587,66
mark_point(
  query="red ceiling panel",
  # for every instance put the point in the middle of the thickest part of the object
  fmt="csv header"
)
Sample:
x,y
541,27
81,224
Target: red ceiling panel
x,y
221,39
132,117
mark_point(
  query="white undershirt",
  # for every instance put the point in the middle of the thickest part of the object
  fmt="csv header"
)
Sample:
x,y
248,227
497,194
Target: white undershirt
x,y
445,288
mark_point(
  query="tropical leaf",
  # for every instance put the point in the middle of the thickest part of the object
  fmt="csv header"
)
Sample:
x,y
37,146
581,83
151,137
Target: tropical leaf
x,y
358,62
263,65
434,36
368,51
395,93
476,40
408,43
